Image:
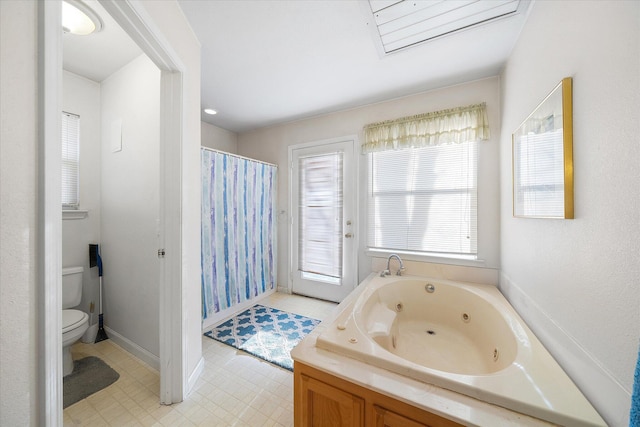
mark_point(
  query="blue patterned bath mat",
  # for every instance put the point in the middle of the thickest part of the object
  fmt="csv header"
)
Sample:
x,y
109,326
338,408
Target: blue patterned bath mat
x,y
265,332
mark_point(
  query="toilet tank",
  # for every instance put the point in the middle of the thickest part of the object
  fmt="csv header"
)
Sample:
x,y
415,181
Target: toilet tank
x,y
71,286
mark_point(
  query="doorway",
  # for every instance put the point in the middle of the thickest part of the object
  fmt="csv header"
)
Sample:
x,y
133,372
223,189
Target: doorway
x,y
323,204
113,90
136,22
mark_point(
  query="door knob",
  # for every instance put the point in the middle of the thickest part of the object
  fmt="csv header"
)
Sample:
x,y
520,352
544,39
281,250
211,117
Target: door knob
x,y
348,235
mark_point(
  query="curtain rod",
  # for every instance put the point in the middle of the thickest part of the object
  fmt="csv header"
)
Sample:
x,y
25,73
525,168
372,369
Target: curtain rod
x,y
238,156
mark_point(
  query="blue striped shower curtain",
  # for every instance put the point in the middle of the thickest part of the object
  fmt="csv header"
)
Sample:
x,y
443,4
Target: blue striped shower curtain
x,y
238,230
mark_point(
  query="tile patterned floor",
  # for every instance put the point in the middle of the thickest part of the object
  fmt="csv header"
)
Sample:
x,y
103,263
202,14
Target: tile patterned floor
x,y
235,389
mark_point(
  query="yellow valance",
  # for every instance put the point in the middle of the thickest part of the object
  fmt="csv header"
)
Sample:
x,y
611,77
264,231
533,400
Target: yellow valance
x,y
453,126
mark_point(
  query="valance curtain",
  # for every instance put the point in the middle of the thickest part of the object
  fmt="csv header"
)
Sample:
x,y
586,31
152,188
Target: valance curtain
x,y
453,126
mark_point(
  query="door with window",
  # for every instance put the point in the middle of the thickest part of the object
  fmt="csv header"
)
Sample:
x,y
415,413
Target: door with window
x,y
323,226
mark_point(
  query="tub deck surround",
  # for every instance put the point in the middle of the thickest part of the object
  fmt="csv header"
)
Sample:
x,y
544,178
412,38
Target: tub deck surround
x,y
448,404
365,342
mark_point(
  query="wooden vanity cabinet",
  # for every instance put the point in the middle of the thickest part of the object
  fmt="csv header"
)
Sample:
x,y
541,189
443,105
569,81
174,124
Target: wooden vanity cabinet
x,y
323,400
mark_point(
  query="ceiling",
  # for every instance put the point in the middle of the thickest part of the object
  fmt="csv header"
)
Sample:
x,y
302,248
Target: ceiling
x,y
266,62
100,54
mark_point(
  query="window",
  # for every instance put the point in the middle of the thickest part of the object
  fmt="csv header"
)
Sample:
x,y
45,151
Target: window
x,y
70,160
320,216
422,188
424,200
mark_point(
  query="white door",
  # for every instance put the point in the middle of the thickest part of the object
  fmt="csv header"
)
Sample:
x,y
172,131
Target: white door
x,y
323,226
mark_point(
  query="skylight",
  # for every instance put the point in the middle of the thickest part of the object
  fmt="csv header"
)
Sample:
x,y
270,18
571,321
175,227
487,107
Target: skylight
x,y
404,23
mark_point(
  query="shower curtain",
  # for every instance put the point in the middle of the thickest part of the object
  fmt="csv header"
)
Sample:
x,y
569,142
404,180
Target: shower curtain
x,y
238,230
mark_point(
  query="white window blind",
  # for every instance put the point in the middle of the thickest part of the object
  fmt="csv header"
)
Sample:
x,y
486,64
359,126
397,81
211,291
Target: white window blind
x,y
424,200
320,215
70,159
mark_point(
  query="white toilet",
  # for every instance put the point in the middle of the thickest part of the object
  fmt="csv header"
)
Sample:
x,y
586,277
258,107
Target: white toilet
x,y
74,322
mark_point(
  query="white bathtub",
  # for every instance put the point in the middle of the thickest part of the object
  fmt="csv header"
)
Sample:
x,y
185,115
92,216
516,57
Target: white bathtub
x,y
460,336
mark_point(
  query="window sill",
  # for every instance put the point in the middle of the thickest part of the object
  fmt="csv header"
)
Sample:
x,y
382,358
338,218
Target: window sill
x,y
74,214
464,260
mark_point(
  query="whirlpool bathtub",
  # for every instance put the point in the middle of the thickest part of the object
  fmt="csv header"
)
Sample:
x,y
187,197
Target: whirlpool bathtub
x,y
460,336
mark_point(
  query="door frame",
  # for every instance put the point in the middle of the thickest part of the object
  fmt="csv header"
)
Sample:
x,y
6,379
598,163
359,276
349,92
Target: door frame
x,y
292,244
136,22
134,19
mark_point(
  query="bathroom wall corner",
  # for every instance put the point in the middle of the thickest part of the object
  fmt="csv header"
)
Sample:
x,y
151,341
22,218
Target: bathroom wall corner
x,y
147,357
218,138
604,392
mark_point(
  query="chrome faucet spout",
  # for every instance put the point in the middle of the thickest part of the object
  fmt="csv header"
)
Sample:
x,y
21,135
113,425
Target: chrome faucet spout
x,y
388,270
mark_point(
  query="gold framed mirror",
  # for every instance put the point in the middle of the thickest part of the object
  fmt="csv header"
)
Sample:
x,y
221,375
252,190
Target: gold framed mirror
x,y
542,156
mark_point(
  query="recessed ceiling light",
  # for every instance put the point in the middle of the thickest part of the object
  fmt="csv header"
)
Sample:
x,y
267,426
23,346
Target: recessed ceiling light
x,y
210,111
78,18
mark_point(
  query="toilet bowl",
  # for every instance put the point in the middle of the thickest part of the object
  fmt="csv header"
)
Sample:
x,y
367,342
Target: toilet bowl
x,y
74,322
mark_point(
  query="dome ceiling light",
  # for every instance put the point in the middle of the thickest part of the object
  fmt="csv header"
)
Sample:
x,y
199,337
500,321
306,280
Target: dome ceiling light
x,y
79,19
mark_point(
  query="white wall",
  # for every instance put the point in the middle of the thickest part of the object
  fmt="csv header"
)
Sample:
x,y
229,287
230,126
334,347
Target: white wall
x,y
130,203
576,281
19,299
271,145
18,214
81,96
218,138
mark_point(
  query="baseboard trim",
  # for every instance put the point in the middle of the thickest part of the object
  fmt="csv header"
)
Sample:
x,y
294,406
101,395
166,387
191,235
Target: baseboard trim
x,y
133,348
606,394
284,290
193,378
219,317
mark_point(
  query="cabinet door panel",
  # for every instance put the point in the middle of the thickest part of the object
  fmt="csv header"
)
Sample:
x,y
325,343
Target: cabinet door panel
x,y
327,406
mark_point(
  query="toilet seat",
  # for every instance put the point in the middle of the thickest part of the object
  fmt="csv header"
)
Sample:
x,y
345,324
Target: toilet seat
x,y
71,319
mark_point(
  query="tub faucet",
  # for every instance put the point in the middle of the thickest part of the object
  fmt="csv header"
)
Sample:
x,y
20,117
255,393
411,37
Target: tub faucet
x,y
387,272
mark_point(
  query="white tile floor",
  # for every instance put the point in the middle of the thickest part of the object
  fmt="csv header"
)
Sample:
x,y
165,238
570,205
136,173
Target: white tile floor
x,y
235,389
